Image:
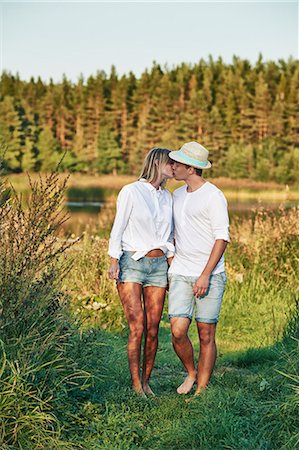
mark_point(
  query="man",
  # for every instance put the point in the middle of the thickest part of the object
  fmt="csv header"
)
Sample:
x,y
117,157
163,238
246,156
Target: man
x,y
197,274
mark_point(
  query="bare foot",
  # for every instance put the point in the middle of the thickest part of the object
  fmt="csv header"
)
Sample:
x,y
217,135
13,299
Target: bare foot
x,y
148,390
139,391
199,390
186,387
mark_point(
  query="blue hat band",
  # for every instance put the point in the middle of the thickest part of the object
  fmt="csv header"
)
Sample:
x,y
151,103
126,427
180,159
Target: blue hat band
x,y
191,161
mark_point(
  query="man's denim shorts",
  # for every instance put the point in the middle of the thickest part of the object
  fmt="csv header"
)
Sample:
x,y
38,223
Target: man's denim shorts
x,y
146,271
181,299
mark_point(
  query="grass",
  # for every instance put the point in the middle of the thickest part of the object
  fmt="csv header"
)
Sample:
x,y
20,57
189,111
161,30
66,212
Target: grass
x,y
64,379
252,402
248,405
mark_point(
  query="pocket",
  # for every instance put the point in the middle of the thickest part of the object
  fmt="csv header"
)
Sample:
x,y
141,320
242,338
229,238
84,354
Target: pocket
x,y
129,262
125,260
219,280
165,265
224,277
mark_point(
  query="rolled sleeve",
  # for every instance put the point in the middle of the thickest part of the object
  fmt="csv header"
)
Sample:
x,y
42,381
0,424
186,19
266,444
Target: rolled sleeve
x,y
219,217
124,207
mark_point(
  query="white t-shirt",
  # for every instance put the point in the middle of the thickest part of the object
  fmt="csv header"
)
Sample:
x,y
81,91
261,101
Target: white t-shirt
x,y
200,217
143,221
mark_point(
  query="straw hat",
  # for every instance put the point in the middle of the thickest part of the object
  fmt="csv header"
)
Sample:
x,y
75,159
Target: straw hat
x,y
192,154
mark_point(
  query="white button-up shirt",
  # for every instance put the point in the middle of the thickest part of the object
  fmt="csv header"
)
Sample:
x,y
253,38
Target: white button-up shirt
x,y
143,221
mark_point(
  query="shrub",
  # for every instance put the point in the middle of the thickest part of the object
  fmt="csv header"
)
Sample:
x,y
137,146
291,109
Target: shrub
x,y
35,370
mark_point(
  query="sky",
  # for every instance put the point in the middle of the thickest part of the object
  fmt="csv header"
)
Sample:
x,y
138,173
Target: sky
x,y
49,39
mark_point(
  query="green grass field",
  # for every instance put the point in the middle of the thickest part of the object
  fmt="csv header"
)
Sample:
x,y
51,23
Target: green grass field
x,y
64,379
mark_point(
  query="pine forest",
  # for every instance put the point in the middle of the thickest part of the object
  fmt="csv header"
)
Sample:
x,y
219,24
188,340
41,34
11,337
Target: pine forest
x,y
245,114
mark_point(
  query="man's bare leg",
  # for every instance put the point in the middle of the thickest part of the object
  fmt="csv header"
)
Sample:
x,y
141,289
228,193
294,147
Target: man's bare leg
x,y
130,295
183,348
207,354
153,297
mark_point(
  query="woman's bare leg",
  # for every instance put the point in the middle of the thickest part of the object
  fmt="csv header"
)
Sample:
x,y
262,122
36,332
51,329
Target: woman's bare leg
x,y
153,297
130,295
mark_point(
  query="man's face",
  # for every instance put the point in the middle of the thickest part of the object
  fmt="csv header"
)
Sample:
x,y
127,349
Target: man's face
x,y
180,171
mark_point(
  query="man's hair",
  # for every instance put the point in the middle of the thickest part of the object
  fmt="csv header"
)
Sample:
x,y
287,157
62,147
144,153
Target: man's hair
x,y
150,169
197,171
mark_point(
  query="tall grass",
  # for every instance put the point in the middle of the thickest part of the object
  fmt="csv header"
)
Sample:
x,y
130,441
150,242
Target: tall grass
x,y
95,300
36,371
262,266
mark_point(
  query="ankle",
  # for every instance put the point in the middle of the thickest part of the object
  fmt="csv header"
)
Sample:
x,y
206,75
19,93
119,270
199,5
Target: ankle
x,y
199,391
137,386
200,388
192,374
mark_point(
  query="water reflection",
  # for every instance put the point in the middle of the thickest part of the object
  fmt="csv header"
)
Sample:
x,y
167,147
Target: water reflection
x,y
88,216
92,207
249,207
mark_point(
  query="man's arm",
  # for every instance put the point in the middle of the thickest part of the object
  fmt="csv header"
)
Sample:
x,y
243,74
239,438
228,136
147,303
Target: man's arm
x,y
202,283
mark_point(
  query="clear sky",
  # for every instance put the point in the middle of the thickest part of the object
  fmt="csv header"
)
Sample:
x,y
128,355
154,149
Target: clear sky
x,y
52,38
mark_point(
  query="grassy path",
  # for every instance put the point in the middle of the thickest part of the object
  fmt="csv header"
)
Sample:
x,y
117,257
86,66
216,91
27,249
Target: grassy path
x,y
47,401
236,412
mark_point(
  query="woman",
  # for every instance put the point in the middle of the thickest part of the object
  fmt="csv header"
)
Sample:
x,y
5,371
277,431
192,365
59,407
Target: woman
x,y
140,243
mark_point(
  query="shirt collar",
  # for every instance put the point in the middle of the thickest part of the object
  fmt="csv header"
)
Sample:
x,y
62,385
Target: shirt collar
x,y
150,186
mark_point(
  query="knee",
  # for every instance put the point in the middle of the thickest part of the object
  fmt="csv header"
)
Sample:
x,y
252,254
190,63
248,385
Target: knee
x,y
136,330
152,331
206,337
178,334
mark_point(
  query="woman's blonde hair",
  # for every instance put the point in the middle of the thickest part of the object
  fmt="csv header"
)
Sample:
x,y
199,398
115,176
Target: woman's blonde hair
x,y
150,170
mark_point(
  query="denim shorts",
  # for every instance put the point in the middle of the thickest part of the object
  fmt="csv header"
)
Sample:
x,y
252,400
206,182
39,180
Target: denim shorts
x,y
181,300
146,271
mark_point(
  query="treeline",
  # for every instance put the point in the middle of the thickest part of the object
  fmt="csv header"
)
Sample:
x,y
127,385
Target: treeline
x,y
246,115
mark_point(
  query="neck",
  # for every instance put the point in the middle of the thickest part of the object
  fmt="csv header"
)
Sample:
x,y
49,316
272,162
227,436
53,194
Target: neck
x,y
157,183
194,183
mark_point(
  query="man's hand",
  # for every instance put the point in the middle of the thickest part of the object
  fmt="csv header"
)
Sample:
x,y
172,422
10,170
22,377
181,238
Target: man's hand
x,y
113,270
201,286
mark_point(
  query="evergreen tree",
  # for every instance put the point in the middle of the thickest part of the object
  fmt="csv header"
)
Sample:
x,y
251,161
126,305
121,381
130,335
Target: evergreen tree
x,y
109,151
239,161
29,156
47,146
262,102
11,134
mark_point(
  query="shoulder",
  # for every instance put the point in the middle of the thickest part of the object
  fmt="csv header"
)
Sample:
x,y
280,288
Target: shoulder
x,y
127,188
179,191
215,193
167,193
127,191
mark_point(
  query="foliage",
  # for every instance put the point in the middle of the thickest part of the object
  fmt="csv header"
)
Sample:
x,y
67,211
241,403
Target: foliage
x,y
245,114
36,370
95,300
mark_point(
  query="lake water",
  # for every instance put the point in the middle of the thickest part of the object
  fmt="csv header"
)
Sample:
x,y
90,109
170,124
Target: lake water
x,y
89,215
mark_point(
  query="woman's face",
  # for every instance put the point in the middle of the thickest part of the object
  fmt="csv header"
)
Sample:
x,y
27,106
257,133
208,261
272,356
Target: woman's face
x,y
166,170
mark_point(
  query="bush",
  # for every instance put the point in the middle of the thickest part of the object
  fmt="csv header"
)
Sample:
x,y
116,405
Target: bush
x,y
36,372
